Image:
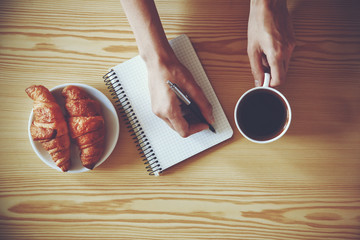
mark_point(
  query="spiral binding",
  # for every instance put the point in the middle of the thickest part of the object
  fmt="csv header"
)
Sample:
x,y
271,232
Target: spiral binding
x,y
127,113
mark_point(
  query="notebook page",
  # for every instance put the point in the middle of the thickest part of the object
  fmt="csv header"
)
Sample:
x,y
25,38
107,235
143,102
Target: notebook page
x,y
168,146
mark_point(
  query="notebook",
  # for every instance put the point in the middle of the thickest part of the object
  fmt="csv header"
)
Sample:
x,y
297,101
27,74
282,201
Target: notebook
x,y
159,145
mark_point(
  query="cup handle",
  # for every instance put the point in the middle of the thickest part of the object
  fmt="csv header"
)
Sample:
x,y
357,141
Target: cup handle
x,y
266,80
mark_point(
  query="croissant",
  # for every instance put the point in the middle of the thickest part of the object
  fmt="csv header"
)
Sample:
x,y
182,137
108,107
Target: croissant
x,y
86,124
49,126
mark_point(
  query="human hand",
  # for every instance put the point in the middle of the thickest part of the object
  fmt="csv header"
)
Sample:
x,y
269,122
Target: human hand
x,y
165,103
162,66
271,40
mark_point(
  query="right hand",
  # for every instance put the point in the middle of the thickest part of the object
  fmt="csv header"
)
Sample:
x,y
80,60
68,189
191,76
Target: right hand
x,y
271,40
165,103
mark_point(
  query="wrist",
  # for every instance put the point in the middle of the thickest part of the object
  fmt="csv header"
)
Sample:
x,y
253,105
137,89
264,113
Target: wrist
x,y
158,55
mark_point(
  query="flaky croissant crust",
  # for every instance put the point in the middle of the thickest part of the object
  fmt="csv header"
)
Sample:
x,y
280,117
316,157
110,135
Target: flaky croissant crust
x,y
86,124
49,126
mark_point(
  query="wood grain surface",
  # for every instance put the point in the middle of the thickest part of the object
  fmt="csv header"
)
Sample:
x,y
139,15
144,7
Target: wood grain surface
x,y
304,186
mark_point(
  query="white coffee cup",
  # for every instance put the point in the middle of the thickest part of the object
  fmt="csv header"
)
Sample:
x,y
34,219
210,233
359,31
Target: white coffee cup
x,y
262,114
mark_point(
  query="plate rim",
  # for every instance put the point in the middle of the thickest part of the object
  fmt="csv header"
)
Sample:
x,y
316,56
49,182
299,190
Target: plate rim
x,y
114,141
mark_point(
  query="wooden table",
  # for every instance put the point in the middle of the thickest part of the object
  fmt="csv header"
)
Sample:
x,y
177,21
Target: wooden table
x,y
303,186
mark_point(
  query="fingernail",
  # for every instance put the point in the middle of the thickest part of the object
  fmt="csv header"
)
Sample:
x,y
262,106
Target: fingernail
x,y
257,83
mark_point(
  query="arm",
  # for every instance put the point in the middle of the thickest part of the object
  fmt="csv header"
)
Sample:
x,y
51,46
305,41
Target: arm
x,y
271,40
163,65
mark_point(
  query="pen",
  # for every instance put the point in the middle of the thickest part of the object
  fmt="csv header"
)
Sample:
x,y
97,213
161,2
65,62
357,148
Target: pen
x,y
192,105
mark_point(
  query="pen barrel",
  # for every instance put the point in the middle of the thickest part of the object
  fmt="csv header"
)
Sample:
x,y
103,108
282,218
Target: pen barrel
x,y
196,110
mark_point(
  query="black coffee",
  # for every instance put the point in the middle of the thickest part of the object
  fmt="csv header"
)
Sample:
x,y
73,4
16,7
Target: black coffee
x,y
262,115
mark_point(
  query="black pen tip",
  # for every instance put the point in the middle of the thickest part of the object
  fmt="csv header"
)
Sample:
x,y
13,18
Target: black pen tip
x,y
212,128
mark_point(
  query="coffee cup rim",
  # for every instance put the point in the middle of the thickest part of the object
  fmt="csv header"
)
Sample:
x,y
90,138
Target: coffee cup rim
x,y
286,125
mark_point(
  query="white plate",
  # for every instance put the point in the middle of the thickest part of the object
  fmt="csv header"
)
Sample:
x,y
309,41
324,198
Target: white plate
x,y
111,125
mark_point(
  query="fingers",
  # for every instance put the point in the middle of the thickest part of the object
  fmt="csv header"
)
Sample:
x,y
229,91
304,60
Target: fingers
x,y
274,61
178,123
194,128
171,113
166,105
197,95
257,67
279,63
277,69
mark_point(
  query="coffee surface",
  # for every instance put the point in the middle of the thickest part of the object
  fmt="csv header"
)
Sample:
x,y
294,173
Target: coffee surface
x,y
262,115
